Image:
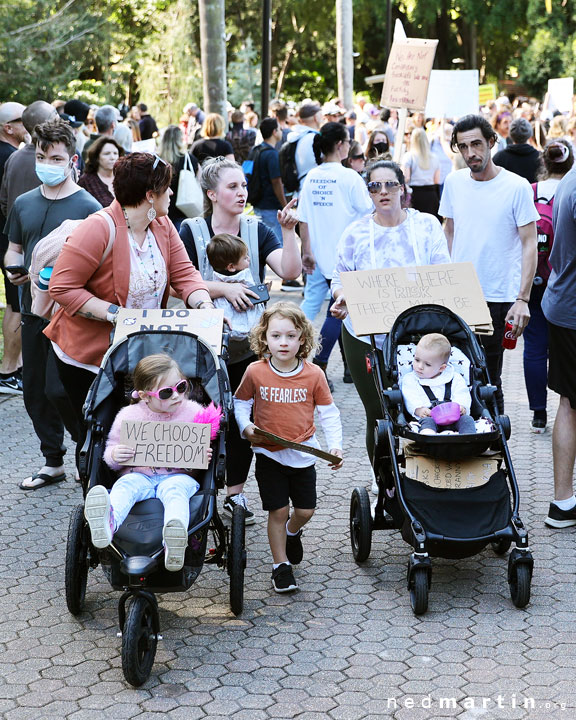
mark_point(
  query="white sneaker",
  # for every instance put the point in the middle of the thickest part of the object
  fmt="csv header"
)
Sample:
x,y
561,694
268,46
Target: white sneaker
x,y
98,514
238,499
175,537
374,486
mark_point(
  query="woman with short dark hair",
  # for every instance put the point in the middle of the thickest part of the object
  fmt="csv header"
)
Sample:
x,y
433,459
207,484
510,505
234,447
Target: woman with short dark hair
x,y
93,278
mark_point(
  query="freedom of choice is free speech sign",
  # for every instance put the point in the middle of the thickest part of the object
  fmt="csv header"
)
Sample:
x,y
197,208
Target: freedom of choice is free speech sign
x,y
375,298
166,444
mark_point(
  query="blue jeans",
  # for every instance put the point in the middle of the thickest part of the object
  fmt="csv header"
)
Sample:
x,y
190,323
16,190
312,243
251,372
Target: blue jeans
x,y
314,294
536,351
270,218
313,299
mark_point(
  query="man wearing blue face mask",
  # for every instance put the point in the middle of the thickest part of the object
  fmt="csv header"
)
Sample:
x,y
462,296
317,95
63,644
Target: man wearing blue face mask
x,y
34,215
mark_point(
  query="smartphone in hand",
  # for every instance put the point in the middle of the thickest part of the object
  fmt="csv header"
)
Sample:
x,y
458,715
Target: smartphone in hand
x,y
262,292
16,269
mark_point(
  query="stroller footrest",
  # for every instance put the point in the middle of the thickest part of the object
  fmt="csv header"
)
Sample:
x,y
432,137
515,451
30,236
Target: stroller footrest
x,y
138,566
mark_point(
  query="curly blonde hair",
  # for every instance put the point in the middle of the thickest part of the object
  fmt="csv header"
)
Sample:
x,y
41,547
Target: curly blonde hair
x,y
292,312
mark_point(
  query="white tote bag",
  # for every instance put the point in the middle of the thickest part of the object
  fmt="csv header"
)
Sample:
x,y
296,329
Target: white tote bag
x,y
190,199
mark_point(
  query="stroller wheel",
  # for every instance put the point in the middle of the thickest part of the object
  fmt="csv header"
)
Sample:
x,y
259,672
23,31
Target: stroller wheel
x,y
236,562
77,564
139,640
419,590
519,579
501,546
360,524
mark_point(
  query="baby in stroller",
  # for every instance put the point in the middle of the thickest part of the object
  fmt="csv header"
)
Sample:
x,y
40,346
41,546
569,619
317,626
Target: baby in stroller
x,y
434,382
160,394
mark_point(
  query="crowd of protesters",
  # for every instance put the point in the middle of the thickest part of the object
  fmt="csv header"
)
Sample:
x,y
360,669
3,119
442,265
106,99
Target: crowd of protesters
x,y
485,175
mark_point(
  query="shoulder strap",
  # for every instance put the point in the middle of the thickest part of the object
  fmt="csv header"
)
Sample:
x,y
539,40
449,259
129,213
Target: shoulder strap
x,y
249,233
111,234
448,391
433,399
201,237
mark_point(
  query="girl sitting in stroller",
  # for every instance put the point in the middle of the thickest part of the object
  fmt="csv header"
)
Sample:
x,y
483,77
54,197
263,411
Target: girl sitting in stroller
x,y
432,382
160,394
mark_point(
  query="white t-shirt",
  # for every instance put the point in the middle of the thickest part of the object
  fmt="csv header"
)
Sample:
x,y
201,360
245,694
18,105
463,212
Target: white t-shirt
x,y
486,217
418,175
331,198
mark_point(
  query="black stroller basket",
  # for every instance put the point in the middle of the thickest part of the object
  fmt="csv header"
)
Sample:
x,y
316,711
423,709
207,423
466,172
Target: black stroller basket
x,y
439,522
134,562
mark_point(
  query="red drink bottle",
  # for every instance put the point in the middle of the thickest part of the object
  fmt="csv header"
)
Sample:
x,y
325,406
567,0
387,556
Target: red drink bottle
x,y
509,341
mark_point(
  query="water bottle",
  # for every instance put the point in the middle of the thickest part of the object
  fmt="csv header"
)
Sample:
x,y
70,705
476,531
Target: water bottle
x,y
44,277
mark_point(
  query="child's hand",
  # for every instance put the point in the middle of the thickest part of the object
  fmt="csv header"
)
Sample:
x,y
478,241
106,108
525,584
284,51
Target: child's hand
x,y
249,433
462,410
209,455
288,217
422,412
122,453
337,452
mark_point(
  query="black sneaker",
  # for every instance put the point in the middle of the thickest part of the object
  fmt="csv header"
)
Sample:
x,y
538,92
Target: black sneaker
x,y
539,422
294,549
238,499
11,385
347,378
283,579
291,286
558,518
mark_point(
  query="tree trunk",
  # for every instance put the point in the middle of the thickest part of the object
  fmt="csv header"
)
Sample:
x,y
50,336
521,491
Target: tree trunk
x,y
213,53
344,57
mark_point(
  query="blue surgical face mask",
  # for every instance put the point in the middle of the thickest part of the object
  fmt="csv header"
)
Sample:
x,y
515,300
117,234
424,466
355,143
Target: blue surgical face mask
x,y
51,174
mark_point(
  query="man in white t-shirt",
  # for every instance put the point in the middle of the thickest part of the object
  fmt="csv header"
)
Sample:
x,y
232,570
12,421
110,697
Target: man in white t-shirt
x,y
491,222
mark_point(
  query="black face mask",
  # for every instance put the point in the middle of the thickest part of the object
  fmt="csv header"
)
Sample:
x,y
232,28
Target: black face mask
x,y
381,147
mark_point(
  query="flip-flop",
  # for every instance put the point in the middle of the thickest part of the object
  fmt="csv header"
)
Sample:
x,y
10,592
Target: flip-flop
x,y
46,480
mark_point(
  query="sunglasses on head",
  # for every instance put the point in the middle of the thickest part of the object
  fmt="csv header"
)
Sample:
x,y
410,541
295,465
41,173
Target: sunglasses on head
x,y
158,160
391,186
357,157
166,392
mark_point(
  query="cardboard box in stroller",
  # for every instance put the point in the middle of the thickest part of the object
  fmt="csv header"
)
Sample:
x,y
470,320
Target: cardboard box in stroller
x,y
451,475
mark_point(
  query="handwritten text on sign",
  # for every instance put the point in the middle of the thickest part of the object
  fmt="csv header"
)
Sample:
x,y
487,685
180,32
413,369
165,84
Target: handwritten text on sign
x,y
408,73
375,298
166,444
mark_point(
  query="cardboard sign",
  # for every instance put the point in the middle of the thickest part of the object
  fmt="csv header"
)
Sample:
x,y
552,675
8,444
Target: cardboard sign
x,y
560,92
333,459
486,93
207,324
375,298
408,73
451,475
166,444
452,93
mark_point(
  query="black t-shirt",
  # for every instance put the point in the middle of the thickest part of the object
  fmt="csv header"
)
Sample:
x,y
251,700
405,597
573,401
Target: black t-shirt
x,y
147,127
267,243
173,212
211,147
269,169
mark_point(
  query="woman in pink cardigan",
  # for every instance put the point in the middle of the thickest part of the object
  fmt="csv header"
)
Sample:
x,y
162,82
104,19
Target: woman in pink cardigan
x,y
91,282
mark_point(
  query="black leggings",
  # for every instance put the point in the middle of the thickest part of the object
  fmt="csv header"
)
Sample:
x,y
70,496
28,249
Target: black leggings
x,y
238,451
355,351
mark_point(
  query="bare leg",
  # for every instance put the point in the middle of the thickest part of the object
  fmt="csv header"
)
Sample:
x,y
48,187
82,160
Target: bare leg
x,y
277,534
298,519
235,489
564,449
12,359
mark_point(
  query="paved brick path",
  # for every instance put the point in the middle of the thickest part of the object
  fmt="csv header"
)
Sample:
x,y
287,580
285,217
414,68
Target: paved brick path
x,y
346,647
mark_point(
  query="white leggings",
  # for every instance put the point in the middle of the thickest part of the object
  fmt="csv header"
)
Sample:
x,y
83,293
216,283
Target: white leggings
x,y
174,492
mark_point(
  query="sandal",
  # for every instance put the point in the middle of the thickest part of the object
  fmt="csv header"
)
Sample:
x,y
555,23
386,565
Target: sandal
x,y
43,479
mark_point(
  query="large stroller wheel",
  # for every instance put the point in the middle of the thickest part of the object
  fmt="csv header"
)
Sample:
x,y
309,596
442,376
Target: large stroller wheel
x,y
237,560
139,639
419,590
76,565
519,580
360,524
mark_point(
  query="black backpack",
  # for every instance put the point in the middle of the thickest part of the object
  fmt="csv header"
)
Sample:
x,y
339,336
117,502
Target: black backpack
x,y
255,189
288,169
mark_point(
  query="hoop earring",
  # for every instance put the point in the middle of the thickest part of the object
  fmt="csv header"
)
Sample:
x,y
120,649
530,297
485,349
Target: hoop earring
x,y
151,214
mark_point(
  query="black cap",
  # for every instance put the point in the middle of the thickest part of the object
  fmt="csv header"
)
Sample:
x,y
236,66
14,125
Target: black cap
x,y
78,110
71,120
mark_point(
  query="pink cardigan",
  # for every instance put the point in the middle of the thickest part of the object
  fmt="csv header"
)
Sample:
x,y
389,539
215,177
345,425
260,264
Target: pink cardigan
x,y
189,411
77,278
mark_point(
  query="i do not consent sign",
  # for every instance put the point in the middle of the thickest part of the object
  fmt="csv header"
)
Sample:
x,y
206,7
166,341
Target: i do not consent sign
x,y
166,444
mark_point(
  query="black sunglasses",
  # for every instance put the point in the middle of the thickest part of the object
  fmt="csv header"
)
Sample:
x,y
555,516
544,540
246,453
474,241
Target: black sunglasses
x,y
391,186
357,157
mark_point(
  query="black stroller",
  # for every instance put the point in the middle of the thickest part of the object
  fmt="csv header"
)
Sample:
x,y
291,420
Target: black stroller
x,y
438,522
134,563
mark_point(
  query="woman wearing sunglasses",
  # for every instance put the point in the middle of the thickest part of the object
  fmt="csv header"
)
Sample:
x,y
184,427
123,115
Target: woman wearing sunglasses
x,y
391,236
130,257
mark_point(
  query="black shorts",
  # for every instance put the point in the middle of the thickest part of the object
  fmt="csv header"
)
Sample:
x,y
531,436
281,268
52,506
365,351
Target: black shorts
x,y
12,295
561,370
278,484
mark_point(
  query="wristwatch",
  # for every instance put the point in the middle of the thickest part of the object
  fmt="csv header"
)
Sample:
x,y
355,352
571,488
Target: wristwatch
x,y
112,313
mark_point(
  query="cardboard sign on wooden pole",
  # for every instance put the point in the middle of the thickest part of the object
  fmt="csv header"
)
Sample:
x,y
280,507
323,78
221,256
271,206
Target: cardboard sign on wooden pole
x,y
408,73
166,444
375,298
207,324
